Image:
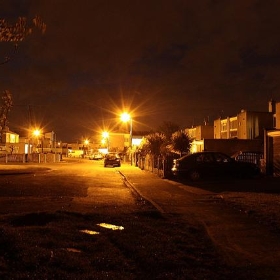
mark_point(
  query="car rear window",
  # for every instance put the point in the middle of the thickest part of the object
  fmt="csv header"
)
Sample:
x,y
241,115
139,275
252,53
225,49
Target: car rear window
x,y
112,156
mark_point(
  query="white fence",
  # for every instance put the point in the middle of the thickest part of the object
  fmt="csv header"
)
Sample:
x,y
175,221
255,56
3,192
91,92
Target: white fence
x,y
35,157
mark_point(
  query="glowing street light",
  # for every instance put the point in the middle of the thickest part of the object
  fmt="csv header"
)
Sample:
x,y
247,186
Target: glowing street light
x,y
105,134
125,117
85,147
36,132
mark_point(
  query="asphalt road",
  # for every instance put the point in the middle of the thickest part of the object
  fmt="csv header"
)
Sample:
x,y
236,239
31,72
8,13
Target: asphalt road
x,y
76,185
83,185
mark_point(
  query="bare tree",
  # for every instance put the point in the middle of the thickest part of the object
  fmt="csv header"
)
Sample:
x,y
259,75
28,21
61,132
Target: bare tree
x,y
168,128
12,148
18,32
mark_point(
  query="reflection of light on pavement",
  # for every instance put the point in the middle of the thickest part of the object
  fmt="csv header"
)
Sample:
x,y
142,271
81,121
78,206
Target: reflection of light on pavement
x,y
91,232
112,227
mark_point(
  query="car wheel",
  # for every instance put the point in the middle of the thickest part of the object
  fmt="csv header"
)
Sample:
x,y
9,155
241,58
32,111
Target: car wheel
x,y
194,175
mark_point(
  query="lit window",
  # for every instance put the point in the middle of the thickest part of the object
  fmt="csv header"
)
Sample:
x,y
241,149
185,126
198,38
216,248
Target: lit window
x,y
12,138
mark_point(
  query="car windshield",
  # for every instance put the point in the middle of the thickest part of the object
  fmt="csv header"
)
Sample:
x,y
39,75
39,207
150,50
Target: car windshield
x,y
112,156
204,158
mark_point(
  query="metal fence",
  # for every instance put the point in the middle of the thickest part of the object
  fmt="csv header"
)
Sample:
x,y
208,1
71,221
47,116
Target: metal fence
x,y
156,164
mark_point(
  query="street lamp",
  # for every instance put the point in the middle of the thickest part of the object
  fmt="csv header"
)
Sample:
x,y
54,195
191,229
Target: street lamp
x,y
105,134
125,117
85,147
54,146
105,139
37,133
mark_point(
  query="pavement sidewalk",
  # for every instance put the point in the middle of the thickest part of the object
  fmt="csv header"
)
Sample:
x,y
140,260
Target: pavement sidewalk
x,y
156,190
161,192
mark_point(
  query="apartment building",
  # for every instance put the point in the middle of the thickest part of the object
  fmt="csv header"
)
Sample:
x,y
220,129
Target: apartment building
x,y
245,125
245,131
226,128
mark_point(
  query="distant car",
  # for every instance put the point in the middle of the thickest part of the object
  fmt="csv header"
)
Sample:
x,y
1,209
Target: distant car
x,y
96,156
204,165
112,159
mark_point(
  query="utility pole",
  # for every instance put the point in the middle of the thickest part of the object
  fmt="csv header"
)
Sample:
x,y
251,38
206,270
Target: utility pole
x,y
5,108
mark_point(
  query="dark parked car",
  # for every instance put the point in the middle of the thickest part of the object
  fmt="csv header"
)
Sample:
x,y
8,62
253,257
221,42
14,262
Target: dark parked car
x,y
112,159
212,164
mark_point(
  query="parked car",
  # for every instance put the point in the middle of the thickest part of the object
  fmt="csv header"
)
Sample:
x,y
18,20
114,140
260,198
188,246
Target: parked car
x,y
96,156
210,165
112,159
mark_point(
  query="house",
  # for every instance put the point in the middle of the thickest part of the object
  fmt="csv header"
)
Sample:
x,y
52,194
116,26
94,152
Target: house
x,y
117,142
201,132
120,142
272,143
198,134
9,141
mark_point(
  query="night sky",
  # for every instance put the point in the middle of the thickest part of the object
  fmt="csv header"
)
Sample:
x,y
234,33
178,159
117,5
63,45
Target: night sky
x,y
160,60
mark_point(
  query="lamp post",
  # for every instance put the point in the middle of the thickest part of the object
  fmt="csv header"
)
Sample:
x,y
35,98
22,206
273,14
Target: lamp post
x,y
85,147
54,147
105,138
37,134
125,117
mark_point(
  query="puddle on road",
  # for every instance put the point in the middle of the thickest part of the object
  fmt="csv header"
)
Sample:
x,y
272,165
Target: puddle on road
x,y
112,227
104,225
73,250
90,232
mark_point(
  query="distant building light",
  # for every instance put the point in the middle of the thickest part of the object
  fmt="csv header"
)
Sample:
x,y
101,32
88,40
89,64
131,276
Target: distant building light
x,y
136,142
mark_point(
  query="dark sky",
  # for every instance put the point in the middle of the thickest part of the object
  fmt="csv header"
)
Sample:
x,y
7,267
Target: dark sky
x,y
161,60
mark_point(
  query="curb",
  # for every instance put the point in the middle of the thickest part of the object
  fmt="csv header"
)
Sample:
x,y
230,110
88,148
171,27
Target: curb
x,y
131,186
